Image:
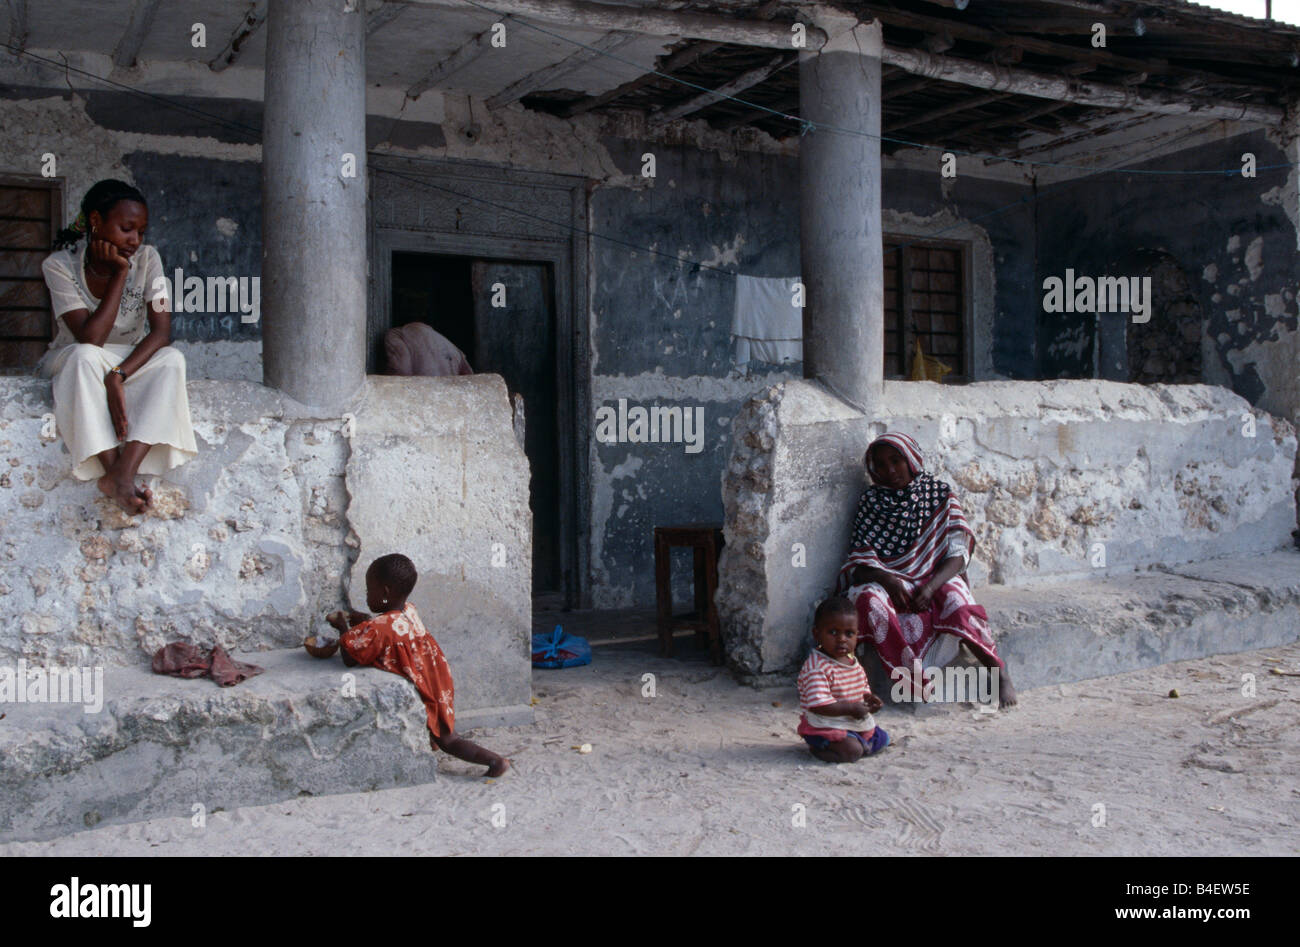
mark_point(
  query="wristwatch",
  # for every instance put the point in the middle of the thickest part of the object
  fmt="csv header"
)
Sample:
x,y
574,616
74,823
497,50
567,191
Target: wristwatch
x,y
117,371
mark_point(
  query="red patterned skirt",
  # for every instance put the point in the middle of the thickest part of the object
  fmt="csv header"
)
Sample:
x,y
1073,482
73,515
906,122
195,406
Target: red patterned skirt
x,y
902,640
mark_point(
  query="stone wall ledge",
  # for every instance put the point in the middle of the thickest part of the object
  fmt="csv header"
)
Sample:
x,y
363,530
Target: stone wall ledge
x,y
161,745
1059,480
1077,629
272,525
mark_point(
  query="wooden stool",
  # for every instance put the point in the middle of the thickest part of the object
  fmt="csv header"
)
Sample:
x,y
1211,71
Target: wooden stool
x,y
706,540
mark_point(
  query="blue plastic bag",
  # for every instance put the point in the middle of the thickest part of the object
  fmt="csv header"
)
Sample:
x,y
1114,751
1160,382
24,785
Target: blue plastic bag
x,y
560,650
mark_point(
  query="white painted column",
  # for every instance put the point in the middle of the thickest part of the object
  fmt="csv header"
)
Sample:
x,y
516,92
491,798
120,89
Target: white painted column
x,y
314,201
842,257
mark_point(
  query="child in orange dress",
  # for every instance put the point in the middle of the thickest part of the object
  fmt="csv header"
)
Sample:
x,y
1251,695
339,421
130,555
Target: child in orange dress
x,y
396,640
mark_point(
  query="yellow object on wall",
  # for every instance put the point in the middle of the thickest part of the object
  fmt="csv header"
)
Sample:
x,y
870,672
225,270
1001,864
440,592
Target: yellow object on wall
x,y
926,367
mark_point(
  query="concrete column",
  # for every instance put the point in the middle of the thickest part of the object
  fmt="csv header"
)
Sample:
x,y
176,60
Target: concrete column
x,y
839,211
314,202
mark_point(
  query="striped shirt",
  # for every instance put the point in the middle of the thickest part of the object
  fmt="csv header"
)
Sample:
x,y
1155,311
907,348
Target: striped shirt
x,y
823,680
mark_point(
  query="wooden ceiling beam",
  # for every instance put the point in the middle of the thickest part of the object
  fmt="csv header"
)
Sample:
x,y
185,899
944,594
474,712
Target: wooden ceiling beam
x,y
1082,91
135,32
678,60
250,24
1010,119
999,38
458,60
1101,126
543,78
960,106
681,58
905,88
588,15
746,80
788,106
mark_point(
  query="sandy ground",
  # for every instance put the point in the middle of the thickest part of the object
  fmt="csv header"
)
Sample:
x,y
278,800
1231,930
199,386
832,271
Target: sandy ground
x,y
706,767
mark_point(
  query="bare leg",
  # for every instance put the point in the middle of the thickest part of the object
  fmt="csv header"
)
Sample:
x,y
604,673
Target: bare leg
x,y
471,752
848,750
119,481
1006,692
112,485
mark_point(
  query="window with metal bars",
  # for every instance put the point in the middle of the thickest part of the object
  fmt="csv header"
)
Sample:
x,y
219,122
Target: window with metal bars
x,y
926,301
31,211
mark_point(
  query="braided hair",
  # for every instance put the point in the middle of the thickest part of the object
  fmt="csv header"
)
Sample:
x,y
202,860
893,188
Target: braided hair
x,y
102,197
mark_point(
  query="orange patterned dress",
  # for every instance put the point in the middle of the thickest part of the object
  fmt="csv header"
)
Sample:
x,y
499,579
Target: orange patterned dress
x,y
398,642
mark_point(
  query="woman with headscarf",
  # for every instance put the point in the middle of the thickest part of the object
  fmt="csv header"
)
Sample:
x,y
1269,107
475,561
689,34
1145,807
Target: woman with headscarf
x,y
910,544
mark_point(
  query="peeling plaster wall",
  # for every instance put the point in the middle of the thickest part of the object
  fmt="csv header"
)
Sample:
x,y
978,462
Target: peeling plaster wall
x,y
661,328
1236,236
661,335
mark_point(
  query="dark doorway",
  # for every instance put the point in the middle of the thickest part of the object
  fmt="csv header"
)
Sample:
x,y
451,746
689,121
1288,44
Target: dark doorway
x,y
501,314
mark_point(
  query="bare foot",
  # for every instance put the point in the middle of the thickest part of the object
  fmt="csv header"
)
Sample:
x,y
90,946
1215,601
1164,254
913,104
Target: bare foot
x,y
124,494
145,494
499,767
1006,691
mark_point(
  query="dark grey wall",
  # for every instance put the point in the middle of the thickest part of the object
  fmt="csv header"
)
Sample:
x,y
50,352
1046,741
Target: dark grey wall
x,y
645,304
698,206
187,196
1006,212
1097,225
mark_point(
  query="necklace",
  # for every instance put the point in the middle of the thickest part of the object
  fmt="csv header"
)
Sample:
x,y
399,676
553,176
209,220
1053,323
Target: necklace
x,y
94,270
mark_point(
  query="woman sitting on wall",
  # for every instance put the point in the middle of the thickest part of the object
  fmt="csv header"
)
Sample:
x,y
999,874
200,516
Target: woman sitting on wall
x,y
119,387
910,542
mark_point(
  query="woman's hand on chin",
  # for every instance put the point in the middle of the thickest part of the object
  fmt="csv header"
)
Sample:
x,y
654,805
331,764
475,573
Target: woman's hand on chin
x,y
107,254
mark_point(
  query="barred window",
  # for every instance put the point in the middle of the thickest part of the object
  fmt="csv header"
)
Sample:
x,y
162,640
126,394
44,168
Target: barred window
x,y
30,212
926,302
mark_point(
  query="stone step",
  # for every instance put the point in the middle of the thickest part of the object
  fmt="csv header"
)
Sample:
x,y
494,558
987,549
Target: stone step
x,y
1062,631
163,745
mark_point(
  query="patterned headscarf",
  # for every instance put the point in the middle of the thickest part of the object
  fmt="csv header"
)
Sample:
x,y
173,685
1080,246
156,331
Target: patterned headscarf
x,y
903,531
906,446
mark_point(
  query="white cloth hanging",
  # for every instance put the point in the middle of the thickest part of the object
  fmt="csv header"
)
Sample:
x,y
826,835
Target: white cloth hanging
x,y
767,325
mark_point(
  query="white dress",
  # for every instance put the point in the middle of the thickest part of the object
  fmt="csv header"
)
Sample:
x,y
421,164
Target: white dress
x,y
157,405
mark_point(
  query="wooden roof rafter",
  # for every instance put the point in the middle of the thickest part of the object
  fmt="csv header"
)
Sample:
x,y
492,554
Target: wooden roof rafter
x,y
960,72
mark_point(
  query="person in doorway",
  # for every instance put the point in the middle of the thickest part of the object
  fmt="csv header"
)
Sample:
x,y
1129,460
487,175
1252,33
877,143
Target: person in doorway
x,y
910,542
119,387
417,349
395,640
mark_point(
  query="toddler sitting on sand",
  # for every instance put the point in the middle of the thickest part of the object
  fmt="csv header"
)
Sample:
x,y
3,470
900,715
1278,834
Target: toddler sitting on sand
x,y
836,701
396,640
